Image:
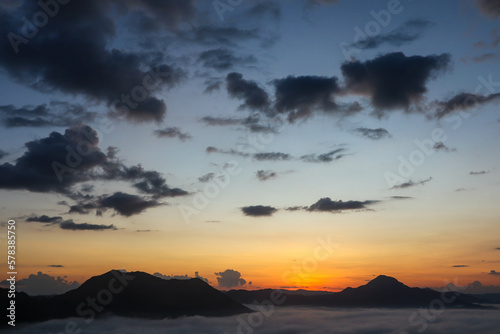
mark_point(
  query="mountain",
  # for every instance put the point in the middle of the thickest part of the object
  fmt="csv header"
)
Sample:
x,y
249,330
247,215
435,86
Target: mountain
x,y
134,294
383,291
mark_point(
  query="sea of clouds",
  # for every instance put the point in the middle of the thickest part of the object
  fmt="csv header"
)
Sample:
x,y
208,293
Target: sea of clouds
x,y
290,321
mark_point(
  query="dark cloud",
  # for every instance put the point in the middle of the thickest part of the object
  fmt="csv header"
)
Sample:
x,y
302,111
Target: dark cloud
x,y
181,277
462,101
44,219
3,154
312,3
490,8
498,248
401,197
460,266
325,157
223,59
264,175
212,149
411,183
60,162
172,132
221,121
482,172
57,113
55,266
327,205
212,85
43,284
258,210
74,54
71,225
253,96
374,134
393,80
127,204
229,279
493,272
299,97
440,146
35,169
408,32
272,156
207,177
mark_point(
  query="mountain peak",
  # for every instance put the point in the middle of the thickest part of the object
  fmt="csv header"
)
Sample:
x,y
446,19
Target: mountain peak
x,y
383,281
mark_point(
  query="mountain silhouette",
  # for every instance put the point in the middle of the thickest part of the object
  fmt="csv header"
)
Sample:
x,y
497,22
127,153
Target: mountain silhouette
x,y
383,291
134,294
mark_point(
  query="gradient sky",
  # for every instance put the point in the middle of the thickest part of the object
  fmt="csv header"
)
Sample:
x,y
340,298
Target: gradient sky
x,y
270,125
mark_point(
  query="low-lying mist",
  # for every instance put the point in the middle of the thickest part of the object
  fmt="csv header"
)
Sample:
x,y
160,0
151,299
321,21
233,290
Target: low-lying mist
x,y
270,320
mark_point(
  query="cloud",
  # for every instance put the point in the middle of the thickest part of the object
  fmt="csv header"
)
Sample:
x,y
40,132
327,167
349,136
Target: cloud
x,y
264,175
312,3
43,284
222,59
393,80
44,219
460,266
253,96
493,272
60,162
212,149
55,266
221,121
57,113
251,123
127,204
272,156
74,54
374,134
181,277
489,56
490,8
440,146
300,96
482,172
460,102
411,183
3,154
325,157
271,8
408,32
327,205
172,132
258,210
207,177
72,226
219,35
229,279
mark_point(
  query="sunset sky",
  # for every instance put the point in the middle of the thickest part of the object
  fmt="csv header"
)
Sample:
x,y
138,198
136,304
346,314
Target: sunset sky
x,y
177,137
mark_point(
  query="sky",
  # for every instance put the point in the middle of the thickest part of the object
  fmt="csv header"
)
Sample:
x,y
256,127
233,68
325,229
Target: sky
x,y
310,144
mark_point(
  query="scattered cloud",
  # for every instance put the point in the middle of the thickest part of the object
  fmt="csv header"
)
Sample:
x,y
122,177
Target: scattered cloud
x,y
172,132
230,279
223,59
490,8
482,172
43,284
325,157
411,183
44,219
272,156
264,175
253,96
460,266
440,146
374,134
258,210
408,32
72,226
55,266
393,80
127,204
327,205
493,272
460,102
